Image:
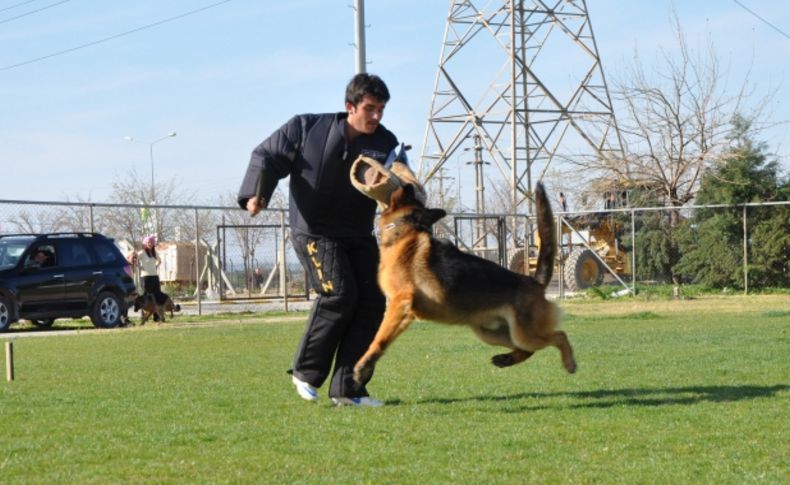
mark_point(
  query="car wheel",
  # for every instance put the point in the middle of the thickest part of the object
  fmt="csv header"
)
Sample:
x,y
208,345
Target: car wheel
x,y
106,311
5,314
45,323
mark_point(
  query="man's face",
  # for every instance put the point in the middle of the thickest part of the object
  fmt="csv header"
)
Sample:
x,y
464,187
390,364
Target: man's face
x,y
365,116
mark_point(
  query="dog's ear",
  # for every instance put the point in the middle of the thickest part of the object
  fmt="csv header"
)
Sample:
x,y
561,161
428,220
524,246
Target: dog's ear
x,y
415,194
433,215
426,218
409,195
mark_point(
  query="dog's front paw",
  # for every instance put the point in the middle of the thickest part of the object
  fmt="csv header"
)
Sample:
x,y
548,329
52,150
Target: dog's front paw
x,y
363,372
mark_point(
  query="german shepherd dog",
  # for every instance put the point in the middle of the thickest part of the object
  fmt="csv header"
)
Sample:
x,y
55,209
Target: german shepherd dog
x,y
149,306
430,279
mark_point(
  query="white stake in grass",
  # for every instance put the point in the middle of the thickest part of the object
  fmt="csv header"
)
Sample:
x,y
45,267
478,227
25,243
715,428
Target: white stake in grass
x,y
9,361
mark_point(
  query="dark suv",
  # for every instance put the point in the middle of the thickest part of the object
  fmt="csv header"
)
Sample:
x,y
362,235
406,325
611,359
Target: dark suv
x,y
63,275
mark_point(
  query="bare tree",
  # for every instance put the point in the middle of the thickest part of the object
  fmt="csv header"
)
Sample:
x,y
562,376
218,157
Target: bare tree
x,y
442,191
124,222
246,235
676,121
499,201
39,219
675,124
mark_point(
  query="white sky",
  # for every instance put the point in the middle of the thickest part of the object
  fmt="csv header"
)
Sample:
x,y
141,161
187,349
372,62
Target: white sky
x,y
226,77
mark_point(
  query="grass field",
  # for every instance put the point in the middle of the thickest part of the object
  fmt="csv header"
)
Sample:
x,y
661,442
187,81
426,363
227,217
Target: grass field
x,y
667,392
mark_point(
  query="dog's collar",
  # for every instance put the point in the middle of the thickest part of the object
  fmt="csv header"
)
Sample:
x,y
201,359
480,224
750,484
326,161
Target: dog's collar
x,y
396,226
388,230
392,225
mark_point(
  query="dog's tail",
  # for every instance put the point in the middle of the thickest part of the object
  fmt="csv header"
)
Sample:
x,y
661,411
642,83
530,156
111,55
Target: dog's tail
x,y
548,244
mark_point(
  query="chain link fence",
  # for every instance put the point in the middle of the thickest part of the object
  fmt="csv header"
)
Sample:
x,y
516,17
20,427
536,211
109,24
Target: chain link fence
x,y
628,247
207,252
220,253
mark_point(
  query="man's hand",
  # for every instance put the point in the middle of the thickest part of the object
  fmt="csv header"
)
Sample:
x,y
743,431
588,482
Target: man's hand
x,y
255,205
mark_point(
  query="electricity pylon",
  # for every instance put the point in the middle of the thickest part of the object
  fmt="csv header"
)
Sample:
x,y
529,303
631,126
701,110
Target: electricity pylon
x,y
524,80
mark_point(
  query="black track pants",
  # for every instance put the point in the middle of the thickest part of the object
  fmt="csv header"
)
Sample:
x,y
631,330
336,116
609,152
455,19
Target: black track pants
x,y
347,313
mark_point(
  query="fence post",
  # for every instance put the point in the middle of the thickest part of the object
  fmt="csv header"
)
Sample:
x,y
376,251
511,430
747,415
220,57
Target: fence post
x,y
283,266
745,255
90,217
633,251
560,272
197,265
221,259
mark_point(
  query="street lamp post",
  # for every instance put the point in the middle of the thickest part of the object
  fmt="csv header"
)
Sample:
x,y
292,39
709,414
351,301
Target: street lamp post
x,y
151,155
151,158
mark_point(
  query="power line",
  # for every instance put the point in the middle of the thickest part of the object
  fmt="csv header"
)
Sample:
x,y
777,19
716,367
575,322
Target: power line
x,y
32,12
762,19
112,37
16,5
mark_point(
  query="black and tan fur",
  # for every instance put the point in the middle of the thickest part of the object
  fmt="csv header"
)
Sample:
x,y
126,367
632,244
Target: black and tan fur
x,y
430,279
148,307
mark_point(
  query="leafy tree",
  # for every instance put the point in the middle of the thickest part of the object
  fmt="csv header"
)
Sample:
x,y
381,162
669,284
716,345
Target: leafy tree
x,y
770,242
653,234
712,247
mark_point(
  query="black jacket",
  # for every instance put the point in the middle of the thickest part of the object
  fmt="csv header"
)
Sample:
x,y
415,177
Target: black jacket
x,y
313,150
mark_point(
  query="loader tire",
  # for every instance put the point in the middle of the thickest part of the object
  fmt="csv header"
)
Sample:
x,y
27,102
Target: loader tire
x,y
582,270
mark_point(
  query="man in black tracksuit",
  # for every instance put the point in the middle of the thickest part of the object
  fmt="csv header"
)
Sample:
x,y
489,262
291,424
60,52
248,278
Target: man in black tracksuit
x,y
332,231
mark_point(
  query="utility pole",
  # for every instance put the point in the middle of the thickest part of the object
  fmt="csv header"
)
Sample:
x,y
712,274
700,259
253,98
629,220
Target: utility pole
x,y
359,35
441,177
480,199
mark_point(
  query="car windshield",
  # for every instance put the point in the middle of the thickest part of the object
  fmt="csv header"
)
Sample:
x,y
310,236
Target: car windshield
x,y
11,249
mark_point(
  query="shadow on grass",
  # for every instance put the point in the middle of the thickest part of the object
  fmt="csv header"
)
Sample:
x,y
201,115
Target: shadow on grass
x,y
608,398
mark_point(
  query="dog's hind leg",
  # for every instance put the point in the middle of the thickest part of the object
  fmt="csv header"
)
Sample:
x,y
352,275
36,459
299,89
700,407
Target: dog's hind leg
x,y
397,319
501,336
557,339
517,356
535,330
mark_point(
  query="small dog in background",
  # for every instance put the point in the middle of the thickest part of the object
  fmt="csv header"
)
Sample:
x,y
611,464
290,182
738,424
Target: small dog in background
x,y
431,279
149,307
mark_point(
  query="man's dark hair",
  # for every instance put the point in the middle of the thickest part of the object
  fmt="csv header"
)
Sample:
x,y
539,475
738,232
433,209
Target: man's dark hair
x,y
364,84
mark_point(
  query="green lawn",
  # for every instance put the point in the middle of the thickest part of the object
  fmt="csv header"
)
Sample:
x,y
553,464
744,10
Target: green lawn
x,y
688,392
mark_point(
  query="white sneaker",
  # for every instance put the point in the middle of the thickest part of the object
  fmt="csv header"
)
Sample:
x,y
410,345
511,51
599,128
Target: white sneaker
x,y
305,390
357,401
